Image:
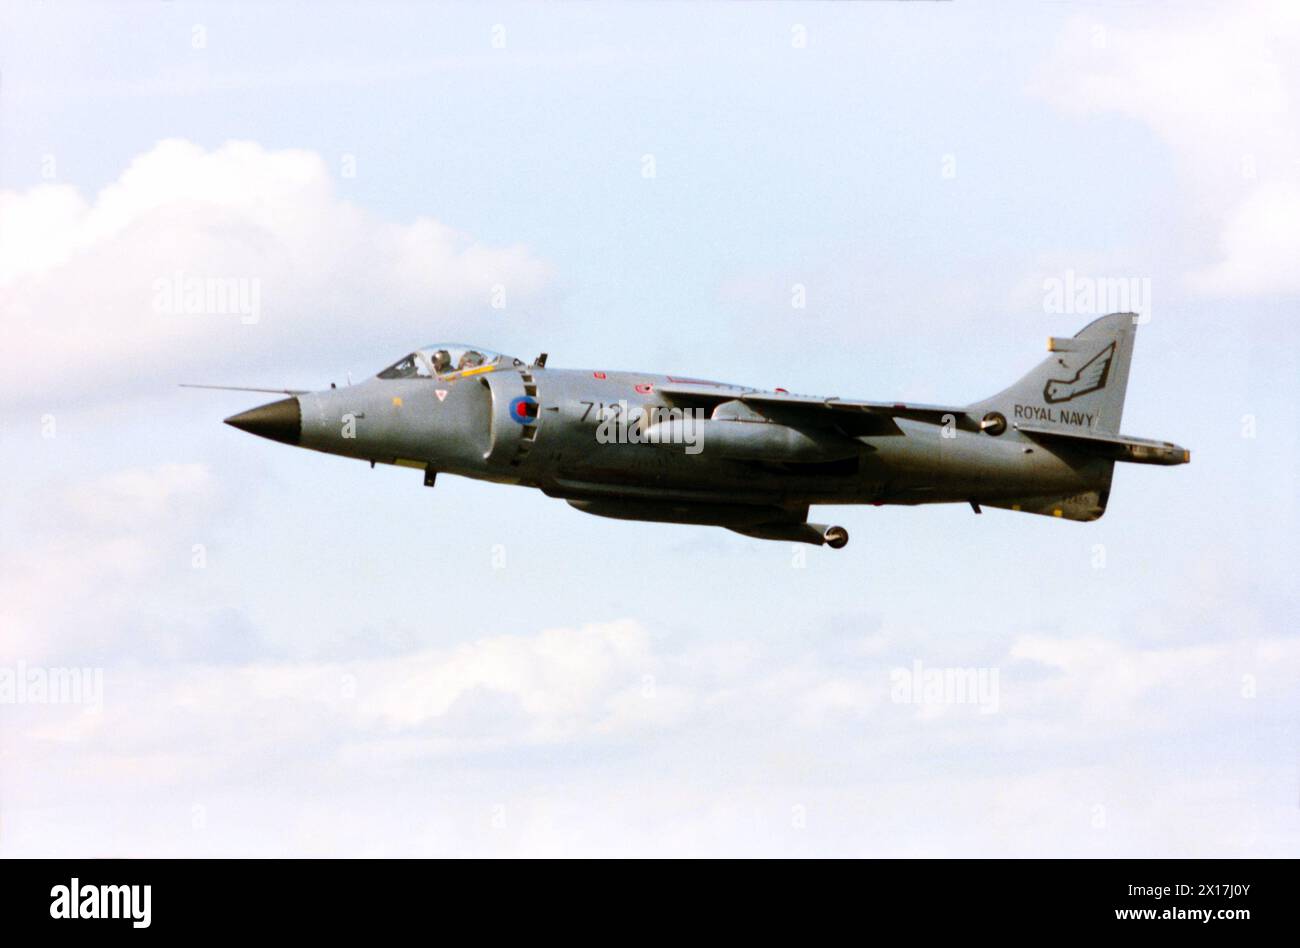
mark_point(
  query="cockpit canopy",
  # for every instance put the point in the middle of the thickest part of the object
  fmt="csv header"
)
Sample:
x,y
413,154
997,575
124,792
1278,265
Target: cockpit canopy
x,y
446,360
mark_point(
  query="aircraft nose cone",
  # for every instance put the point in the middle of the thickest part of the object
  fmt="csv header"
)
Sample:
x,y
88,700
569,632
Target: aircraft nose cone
x,y
279,421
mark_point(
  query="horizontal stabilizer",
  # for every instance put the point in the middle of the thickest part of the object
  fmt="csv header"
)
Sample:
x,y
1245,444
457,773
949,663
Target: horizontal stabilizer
x,y
1114,447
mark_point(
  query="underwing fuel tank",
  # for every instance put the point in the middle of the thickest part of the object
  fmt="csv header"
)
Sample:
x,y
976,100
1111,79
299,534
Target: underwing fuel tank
x,y
750,440
665,511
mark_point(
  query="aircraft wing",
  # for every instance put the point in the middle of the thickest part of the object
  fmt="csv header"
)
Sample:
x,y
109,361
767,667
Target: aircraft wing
x,y
931,414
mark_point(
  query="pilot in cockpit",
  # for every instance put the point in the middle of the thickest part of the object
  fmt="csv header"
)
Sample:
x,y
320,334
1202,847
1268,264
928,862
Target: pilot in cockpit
x,y
470,360
441,362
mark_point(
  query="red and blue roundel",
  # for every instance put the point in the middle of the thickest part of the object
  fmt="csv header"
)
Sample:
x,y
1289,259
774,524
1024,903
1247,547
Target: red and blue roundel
x,y
524,410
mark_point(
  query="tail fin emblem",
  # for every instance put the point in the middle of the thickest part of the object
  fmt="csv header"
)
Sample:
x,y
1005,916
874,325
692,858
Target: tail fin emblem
x,y
1089,378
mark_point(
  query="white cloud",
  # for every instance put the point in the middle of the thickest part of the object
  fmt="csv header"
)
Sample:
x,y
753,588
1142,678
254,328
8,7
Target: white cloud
x,y
1260,244
685,751
1219,86
1107,681
122,498
560,680
81,556
81,280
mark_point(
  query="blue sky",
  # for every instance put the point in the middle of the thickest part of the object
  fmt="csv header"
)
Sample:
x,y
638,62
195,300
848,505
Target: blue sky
x,y
300,655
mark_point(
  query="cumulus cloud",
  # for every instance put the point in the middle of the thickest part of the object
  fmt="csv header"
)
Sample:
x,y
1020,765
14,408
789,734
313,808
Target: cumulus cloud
x,y
560,681
811,748
1260,244
82,561
197,259
1219,86
125,497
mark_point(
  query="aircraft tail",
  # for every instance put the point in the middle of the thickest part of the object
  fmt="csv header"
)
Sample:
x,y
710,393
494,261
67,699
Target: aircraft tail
x,y
1080,386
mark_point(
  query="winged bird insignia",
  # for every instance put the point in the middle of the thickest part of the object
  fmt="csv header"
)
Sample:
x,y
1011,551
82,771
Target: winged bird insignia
x,y
1090,378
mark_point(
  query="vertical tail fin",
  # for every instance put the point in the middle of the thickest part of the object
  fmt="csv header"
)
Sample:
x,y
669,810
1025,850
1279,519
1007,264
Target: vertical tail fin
x,y
1081,384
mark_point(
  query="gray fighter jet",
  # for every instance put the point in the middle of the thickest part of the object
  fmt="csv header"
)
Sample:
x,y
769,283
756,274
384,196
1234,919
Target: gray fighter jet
x,y
639,446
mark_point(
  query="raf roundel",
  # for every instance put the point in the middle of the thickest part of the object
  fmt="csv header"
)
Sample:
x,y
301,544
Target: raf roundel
x,y
523,410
